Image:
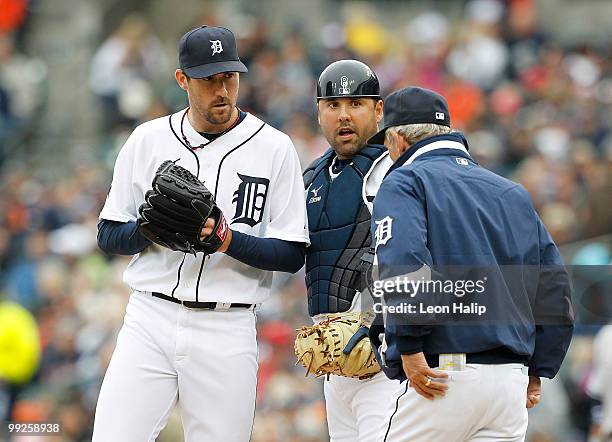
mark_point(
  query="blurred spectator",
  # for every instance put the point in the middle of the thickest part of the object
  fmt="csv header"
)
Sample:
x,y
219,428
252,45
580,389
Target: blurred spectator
x,y
122,69
600,383
21,88
13,14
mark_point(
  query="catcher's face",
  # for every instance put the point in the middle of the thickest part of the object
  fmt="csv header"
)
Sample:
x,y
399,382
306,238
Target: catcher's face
x,y
348,123
212,100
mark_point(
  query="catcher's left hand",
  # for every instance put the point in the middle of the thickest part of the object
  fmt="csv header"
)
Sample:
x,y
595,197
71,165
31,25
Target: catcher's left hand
x,y
176,211
338,345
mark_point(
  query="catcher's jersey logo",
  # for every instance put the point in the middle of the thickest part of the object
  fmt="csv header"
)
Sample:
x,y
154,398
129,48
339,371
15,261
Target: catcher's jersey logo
x,y
383,231
216,46
250,199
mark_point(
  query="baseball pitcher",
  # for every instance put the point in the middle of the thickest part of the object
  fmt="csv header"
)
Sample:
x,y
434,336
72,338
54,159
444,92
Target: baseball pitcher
x,y
208,201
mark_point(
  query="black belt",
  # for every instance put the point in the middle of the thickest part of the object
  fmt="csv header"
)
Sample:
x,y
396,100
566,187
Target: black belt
x,y
499,355
202,305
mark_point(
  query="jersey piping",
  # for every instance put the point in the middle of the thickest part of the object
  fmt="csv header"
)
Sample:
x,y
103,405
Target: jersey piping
x,y
178,276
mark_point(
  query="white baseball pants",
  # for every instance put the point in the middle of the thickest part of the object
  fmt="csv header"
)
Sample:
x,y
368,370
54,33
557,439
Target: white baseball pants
x,y
356,409
206,361
482,403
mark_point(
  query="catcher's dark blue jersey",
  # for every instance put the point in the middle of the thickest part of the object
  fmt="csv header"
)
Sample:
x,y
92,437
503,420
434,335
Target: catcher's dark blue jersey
x,y
437,207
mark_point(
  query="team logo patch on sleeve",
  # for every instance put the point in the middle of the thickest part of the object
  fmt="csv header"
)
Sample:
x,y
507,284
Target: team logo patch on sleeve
x,y
383,231
250,199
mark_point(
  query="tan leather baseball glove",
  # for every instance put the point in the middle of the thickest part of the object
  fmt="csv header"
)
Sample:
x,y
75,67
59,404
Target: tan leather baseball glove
x,y
337,345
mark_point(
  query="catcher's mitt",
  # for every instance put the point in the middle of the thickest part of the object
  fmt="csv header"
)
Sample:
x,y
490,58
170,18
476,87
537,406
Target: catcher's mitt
x,y
338,345
176,209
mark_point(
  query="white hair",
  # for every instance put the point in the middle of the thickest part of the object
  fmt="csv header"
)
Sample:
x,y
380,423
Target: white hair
x,y
413,133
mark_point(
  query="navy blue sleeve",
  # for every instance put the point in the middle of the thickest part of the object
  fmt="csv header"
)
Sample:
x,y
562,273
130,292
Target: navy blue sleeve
x,y
267,253
399,229
553,310
119,238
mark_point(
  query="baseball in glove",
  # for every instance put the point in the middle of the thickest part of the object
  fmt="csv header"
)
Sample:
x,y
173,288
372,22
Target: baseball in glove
x,y
337,345
176,209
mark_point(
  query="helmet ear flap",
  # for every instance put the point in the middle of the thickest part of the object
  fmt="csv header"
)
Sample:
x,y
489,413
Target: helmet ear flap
x,y
348,78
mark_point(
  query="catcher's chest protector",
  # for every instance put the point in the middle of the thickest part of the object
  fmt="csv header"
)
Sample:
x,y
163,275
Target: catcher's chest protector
x,y
339,224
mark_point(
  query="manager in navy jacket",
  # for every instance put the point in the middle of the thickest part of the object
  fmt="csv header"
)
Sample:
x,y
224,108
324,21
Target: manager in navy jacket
x,y
439,215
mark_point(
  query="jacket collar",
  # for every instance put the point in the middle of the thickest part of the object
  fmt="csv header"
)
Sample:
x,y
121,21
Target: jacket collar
x,y
454,140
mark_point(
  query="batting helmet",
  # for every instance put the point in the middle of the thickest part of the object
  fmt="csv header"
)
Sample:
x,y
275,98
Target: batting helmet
x,y
347,78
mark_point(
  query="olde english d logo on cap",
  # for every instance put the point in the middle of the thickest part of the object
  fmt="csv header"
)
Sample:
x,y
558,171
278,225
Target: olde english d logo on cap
x,y
216,46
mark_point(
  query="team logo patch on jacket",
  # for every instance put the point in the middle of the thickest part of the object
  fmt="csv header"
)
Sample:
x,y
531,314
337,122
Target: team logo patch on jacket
x,y
250,199
383,231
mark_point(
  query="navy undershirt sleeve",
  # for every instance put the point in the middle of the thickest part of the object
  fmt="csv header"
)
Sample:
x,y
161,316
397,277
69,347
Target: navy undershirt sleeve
x,y
267,253
119,238
263,253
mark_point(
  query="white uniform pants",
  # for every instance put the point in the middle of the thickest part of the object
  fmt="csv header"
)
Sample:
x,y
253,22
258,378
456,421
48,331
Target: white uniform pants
x,y
356,409
482,403
204,360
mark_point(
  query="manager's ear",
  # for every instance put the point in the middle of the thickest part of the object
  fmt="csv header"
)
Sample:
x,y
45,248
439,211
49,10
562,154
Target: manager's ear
x,y
395,144
400,142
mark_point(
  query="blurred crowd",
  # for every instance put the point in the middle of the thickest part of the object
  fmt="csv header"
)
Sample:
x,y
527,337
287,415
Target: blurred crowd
x,y
22,79
533,109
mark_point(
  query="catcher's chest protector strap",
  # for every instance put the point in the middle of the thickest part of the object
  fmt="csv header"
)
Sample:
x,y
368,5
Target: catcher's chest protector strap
x,y
339,224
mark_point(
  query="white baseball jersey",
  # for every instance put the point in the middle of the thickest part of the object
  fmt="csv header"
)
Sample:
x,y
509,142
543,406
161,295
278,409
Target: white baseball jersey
x,y
374,177
254,172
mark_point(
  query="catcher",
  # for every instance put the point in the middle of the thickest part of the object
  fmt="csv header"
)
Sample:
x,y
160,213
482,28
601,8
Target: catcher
x,y
340,188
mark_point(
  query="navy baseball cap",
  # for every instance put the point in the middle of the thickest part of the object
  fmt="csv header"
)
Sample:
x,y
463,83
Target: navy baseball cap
x,y
412,105
209,50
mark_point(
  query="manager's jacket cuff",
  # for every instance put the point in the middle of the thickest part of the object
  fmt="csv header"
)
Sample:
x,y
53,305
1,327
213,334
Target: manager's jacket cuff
x,y
409,345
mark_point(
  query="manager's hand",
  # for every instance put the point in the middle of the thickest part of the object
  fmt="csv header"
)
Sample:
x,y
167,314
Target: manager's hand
x,y
534,391
422,377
